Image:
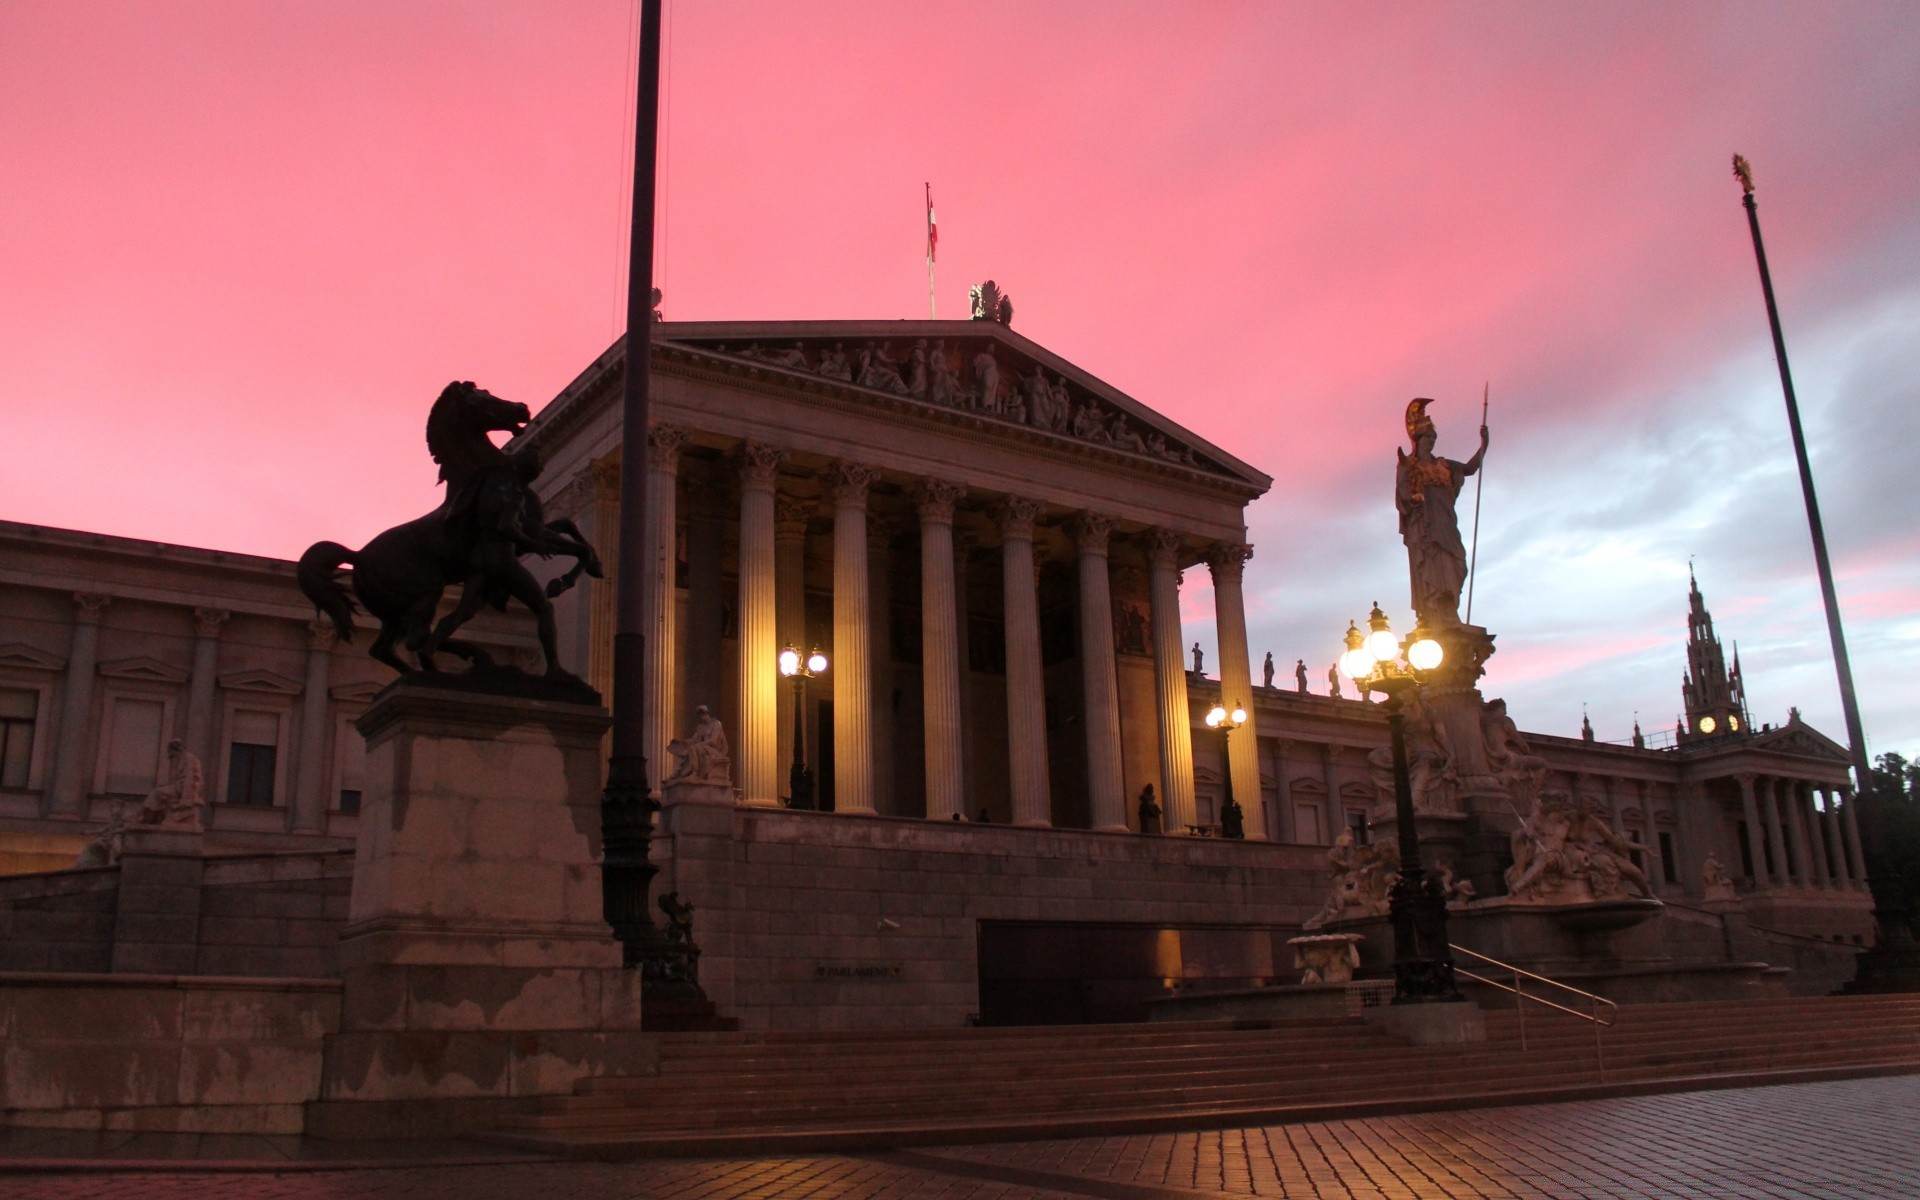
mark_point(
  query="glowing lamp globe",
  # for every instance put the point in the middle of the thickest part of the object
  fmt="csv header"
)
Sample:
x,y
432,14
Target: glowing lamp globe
x,y
789,662
1356,663
1382,645
1239,716
816,662
1424,654
1215,715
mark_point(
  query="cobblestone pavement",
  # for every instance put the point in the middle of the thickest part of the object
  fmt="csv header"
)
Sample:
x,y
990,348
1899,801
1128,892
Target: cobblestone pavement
x,y
1826,1141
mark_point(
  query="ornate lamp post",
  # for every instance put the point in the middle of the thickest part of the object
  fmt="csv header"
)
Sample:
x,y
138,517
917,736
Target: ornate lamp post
x,y
800,669
1233,823
1376,661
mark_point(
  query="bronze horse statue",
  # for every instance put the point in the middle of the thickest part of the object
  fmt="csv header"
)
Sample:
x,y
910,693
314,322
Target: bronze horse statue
x,y
475,538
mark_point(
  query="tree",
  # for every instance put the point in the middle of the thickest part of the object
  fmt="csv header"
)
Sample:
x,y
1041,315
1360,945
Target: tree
x,y
1890,836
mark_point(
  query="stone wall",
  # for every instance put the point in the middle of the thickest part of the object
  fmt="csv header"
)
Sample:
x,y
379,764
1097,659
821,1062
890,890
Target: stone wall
x,y
162,1053
829,921
272,915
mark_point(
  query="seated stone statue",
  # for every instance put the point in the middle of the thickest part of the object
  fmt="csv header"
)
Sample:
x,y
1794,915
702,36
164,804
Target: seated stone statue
x,y
1567,852
1363,876
703,753
1714,882
104,849
175,804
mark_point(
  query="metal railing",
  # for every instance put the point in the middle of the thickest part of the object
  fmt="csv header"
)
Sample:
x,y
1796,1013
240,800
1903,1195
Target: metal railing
x,y
1600,1010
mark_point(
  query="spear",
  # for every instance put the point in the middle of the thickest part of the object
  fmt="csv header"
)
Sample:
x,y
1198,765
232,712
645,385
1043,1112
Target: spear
x,y
1479,481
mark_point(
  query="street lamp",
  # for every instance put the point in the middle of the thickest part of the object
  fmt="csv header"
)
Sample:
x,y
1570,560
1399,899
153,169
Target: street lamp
x,y
1378,662
800,668
1233,821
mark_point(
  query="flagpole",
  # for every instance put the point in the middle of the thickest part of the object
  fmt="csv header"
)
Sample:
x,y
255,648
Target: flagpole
x,y
1479,481
1849,705
931,238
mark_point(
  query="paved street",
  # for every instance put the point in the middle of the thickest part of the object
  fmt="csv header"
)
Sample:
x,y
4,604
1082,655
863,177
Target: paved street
x,y
1859,1138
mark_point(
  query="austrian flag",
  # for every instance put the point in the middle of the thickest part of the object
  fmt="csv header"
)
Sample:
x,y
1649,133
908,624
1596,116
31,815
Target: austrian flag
x,y
933,232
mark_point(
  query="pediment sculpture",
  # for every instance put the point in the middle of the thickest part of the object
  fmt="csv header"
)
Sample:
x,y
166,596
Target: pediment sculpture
x,y
1363,877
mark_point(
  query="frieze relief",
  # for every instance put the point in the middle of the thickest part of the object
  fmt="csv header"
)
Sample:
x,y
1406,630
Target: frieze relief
x,y
973,376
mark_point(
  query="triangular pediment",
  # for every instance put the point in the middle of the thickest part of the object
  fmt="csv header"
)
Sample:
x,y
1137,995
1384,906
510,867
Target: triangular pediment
x,y
361,692
1797,737
260,681
21,656
143,667
968,370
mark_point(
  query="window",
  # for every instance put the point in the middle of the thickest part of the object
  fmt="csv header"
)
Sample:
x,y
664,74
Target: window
x,y
18,708
251,758
1669,866
1306,824
133,745
353,767
1357,825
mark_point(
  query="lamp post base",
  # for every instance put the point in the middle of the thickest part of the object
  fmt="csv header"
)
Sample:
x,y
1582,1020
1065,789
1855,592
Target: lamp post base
x,y
1423,960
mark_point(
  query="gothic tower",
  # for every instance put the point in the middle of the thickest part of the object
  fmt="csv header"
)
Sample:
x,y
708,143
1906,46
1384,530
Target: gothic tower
x,y
1715,697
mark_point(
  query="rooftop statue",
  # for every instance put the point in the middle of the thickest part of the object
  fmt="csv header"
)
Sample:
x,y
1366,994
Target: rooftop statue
x,y
1425,489
490,518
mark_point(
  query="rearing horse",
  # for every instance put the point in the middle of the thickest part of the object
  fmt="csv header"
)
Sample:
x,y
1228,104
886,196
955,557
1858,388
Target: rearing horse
x,y
475,538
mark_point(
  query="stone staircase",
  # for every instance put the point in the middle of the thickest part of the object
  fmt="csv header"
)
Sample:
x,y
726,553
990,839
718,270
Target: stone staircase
x,y
719,1093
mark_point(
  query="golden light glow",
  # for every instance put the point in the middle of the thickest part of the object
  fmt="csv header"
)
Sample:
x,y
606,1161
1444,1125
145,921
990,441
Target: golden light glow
x,y
1425,654
1215,715
1708,725
789,662
1733,723
816,662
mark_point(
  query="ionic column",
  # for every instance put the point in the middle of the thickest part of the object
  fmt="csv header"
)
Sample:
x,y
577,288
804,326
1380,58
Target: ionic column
x,y
1850,822
790,590
1816,837
940,650
1106,786
1026,681
660,606
1170,683
1756,849
880,732
1775,837
1837,838
68,790
309,785
757,744
1227,561
852,673
1796,822
202,682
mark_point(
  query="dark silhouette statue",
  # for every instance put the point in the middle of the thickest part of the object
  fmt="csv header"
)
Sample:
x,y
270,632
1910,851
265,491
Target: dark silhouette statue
x,y
490,517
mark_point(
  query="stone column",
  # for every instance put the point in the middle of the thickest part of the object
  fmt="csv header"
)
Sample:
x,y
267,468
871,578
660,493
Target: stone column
x,y
1650,829
1796,822
1816,837
1837,838
310,784
1776,837
851,670
1227,561
756,746
940,650
660,602
880,730
603,509
790,595
1106,785
1756,849
68,790
1850,822
1170,684
1026,680
202,682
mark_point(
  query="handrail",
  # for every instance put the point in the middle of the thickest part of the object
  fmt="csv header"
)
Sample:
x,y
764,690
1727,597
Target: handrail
x,y
1601,1018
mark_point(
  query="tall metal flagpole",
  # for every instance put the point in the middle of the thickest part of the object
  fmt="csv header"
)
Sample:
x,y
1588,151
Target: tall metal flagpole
x,y
933,239
627,805
1849,706
1479,481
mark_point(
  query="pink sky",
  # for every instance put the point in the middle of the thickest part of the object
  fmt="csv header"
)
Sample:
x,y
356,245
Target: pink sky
x,y
246,243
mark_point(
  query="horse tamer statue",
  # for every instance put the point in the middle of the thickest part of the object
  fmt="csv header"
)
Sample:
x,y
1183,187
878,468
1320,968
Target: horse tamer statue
x,y
475,538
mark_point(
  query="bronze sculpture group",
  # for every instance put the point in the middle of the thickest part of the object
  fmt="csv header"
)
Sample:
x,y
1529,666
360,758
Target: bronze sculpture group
x,y
489,519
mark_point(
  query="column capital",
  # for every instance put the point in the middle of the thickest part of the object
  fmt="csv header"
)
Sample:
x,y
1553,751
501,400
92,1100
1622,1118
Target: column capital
x,y
1017,516
604,478
1746,782
790,515
89,605
935,499
850,483
760,465
1091,531
208,621
1163,548
663,446
320,635
1228,559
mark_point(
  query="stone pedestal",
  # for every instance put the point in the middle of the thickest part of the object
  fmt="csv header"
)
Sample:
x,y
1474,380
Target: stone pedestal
x,y
478,972
156,925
